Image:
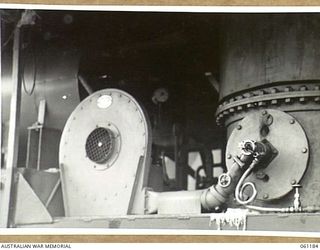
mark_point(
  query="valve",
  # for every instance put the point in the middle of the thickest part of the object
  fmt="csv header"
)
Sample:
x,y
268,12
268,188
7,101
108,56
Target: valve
x,y
217,195
297,201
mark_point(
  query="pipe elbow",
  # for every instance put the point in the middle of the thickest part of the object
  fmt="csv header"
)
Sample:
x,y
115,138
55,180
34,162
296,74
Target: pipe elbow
x,y
211,199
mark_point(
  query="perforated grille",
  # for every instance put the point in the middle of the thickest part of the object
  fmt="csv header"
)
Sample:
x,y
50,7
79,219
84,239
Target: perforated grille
x,y
99,145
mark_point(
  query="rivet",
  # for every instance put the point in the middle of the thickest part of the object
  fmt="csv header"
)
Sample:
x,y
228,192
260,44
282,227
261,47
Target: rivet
x,y
292,121
317,99
264,112
265,196
239,127
293,181
229,156
304,150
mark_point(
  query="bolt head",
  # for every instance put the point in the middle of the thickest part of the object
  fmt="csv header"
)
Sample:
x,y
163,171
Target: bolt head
x,y
274,101
229,156
239,127
287,100
293,181
264,112
265,196
302,99
304,150
292,121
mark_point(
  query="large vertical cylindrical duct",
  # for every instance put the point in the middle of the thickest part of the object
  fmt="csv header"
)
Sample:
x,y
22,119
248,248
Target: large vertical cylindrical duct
x,y
271,62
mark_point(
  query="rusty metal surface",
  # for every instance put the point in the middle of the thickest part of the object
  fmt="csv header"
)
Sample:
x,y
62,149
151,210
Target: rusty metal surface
x,y
261,49
109,186
288,138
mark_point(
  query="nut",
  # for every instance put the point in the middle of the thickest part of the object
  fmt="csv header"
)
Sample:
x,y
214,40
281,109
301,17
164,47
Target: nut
x,y
262,104
302,99
287,100
239,108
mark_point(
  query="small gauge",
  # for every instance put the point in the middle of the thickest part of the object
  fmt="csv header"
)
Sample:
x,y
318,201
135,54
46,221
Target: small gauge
x,y
104,101
160,95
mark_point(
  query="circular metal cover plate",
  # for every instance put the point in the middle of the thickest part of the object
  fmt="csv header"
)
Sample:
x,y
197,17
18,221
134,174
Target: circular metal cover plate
x,y
100,149
288,138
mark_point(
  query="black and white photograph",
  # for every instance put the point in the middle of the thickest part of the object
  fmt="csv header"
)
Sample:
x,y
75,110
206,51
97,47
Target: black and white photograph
x,y
160,120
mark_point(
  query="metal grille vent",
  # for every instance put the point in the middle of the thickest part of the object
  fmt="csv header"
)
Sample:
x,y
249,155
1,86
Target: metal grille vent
x,y
99,145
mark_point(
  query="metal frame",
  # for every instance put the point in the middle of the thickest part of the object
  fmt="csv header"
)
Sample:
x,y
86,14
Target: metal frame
x,y
297,222
13,138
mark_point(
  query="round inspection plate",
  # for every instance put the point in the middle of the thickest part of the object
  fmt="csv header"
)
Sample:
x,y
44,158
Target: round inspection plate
x,y
289,140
